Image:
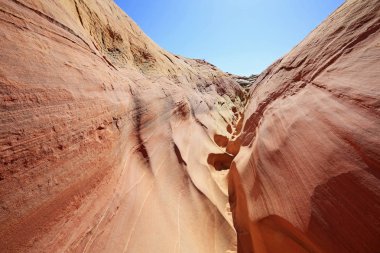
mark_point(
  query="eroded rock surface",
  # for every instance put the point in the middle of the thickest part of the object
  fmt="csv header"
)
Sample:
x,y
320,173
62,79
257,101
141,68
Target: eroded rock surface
x,y
306,178
105,136
109,143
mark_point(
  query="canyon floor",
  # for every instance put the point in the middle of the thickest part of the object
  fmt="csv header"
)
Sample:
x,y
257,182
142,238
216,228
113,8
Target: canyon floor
x,y
109,143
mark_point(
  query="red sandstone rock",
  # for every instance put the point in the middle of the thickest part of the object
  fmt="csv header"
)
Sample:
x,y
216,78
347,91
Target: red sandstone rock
x,y
108,143
104,136
310,161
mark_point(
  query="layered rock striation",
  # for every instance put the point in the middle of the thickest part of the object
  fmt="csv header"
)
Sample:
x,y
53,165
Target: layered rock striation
x,y
105,136
306,178
109,143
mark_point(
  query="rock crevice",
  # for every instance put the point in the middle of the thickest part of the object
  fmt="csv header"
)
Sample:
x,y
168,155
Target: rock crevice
x,y
108,143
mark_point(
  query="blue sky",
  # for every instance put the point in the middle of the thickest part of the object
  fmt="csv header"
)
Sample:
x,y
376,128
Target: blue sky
x,y
238,36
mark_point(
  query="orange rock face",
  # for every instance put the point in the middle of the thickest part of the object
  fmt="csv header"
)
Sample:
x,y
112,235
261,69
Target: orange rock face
x,y
109,143
105,136
306,178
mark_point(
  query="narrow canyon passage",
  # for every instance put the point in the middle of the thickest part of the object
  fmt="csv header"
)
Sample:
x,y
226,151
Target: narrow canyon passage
x,y
270,234
109,143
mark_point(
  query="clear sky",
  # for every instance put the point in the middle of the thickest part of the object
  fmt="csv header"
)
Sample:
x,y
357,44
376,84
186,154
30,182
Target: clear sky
x,y
238,36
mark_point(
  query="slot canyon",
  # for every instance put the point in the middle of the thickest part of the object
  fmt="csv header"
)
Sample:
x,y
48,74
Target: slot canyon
x,y
109,143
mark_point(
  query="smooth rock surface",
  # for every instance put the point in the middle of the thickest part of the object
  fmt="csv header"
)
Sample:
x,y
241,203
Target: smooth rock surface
x,y
108,143
104,136
306,178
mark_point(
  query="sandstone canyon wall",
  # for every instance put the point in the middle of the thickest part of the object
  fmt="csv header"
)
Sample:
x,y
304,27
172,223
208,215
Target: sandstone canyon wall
x,y
105,136
307,176
108,143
